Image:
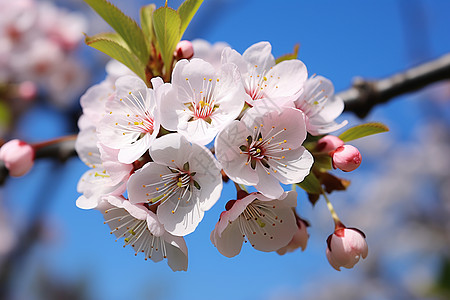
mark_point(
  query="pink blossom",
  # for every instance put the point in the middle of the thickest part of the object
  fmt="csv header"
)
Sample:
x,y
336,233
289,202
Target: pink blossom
x,y
329,143
347,158
345,247
18,157
268,224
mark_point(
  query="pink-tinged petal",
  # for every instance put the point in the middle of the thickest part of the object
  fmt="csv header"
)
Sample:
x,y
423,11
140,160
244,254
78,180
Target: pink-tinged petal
x,y
126,84
177,252
294,167
118,172
260,55
86,147
229,243
142,184
320,128
180,218
229,155
286,79
133,152
275,232
167,150
232,56
268,184
234,212
86,203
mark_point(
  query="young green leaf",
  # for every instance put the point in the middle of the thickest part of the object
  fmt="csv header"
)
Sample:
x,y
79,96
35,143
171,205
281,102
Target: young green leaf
x,y
126,27
311,184
112,44
363,130
187,10
146,16
293,55
167,24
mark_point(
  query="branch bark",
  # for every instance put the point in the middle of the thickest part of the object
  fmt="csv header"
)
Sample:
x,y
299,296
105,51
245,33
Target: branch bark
x,y
364,95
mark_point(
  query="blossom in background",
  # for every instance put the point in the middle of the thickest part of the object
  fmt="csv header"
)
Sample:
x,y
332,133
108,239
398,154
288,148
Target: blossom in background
x,y
184,179
211,53
264,80
345,247
268,224
265,148
140,228
201,101
320,106
132,121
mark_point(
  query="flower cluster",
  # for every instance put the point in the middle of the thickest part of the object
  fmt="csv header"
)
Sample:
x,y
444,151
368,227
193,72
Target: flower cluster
x,y
153,176
37,41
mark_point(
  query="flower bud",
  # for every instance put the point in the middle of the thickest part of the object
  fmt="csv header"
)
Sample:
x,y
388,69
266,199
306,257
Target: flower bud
x,y
346,157
345,247
299,240
18,157
27,90
184,50
329,143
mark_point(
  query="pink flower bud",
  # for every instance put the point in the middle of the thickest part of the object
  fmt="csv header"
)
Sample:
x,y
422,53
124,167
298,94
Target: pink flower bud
x,y
299,240
27,90
345,247
329,143
18,157
346,157
184,50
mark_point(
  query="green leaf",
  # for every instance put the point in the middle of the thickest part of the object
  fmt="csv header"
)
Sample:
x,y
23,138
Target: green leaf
x,y
362,130
126,27
293,55
311,184
146,16
187,11
167,24
111,44
322,162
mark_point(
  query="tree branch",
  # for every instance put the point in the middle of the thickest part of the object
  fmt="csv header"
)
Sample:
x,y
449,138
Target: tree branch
x,y
364,95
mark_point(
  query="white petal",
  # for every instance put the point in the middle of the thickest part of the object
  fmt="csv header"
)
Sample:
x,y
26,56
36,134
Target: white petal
x,y
260,55
286,79
229,243
133,152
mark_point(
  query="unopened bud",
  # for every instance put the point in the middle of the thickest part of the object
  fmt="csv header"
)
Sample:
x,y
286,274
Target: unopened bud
x,y
184,50
347,158
329,143
18,157
345,247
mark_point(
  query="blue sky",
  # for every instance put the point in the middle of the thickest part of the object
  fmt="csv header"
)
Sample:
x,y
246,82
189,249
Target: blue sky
x,y
339,40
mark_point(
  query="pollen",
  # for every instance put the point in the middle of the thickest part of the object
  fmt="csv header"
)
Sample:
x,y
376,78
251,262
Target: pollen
x,y
265,78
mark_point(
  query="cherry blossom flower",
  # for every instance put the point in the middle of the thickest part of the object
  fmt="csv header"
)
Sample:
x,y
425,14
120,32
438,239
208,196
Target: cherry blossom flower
x,y
345,247
268,224
265,148
140,228
106,176
262,78
132,119
184,179
202,101
18,157
320,106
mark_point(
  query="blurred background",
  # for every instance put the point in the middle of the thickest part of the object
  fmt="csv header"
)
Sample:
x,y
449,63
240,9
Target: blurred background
x,y
400,196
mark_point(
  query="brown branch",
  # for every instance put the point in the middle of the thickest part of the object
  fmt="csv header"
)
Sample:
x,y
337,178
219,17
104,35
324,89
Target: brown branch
x,y
364,95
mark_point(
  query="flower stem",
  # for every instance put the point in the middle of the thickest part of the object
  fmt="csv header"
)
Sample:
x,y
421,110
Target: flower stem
x,y
337,221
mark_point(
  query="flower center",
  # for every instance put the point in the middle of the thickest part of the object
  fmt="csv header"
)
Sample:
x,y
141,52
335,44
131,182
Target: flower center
x,y
202,105
177,185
